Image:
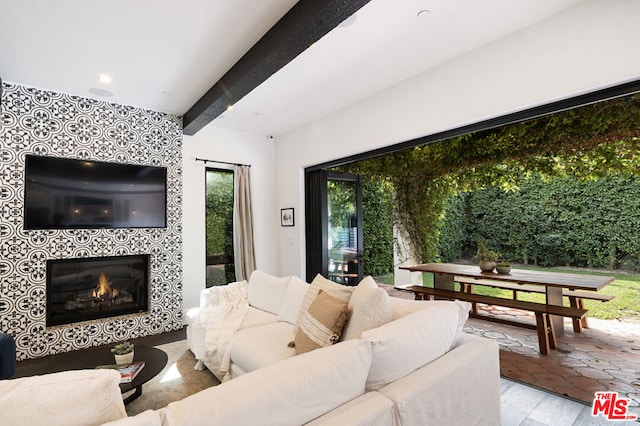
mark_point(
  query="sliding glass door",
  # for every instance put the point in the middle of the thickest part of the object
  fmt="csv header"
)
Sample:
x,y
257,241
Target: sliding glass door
x,y
334,226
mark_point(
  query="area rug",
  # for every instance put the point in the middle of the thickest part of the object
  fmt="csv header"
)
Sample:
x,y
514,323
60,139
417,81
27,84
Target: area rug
x,y
176,381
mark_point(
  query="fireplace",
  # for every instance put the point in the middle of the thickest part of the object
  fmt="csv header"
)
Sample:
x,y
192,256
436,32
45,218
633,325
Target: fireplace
x,y
84,289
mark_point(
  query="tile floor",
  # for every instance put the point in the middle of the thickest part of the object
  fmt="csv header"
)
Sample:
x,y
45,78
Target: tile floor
x,y
604,357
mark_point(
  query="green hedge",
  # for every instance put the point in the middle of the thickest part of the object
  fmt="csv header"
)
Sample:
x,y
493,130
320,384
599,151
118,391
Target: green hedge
x,y
377,228
565,221
452,230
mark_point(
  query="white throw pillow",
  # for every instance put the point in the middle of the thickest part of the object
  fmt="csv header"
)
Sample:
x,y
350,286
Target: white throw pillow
x,y
370,308
406,344
290,392
403,307
292,300
339,291
79,397
267,291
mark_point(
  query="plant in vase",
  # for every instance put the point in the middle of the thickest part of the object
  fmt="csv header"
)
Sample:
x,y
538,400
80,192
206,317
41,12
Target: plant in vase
x,y
123,353
486,257
503,266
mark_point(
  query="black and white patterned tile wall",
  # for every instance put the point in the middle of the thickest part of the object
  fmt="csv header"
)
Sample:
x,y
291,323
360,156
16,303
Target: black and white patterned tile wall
x,y
42,122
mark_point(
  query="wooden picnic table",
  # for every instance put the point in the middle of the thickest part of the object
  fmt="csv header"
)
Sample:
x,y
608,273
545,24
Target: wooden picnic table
x,y
554,282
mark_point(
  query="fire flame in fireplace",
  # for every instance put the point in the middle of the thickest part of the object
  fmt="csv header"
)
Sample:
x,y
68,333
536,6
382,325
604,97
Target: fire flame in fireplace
x,y
103,289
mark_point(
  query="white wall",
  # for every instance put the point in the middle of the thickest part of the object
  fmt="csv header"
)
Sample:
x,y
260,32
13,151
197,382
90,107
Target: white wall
x,y
226,145
587,47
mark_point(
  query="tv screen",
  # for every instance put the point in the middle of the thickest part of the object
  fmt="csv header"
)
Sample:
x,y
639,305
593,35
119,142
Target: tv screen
x,y
64,193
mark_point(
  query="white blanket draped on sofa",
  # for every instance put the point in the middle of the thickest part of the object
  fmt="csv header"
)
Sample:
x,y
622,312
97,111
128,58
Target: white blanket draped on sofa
x,y
222,317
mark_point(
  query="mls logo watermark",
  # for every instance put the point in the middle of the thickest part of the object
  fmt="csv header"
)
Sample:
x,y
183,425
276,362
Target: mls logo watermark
x,y
611,406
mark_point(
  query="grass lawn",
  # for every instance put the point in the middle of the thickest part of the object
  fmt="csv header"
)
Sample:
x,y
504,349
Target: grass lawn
x,y
626,289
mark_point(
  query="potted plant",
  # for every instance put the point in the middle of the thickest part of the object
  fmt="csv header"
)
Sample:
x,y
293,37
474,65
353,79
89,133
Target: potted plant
x,y
486,257
123,353
503,266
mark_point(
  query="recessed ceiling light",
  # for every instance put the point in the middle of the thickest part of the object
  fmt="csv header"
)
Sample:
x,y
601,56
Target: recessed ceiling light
x,y
166,93
229,107
104,78
423,13
100,92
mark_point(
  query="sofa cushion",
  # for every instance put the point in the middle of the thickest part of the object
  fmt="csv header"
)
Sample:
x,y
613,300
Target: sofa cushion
x,y
462,387
290,392
256,317
370,409
196,331
80,397
292,300
146,418
370,308
322,324
402,346
266,291
339,291
403,307
464,307
261,346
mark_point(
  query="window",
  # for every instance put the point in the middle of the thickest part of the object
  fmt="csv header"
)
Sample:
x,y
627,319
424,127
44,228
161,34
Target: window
x,y
219,227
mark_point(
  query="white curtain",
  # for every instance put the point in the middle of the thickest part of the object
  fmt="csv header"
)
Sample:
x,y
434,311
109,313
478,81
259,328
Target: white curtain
x,y
243,252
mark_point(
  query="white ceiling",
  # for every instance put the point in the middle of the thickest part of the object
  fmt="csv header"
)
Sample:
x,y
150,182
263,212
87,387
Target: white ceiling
x,y
165,54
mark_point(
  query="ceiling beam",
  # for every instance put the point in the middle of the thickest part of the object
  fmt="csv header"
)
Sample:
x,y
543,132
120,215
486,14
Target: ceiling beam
x,y
307,22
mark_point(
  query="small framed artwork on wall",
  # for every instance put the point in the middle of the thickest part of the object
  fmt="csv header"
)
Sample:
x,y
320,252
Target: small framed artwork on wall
x,y
286,217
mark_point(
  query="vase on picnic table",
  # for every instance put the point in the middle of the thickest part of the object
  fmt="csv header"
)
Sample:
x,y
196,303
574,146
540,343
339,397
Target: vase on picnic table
x,y
487,265
486,257
503,269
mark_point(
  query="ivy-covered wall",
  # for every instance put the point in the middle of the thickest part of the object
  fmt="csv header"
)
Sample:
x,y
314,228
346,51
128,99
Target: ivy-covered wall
x,y
564,221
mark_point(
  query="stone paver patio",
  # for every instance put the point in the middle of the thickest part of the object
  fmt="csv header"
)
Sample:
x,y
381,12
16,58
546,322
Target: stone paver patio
x,y
604,357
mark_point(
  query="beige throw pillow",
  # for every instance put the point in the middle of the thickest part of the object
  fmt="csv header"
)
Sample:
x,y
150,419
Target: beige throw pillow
x,y
339,291
322,323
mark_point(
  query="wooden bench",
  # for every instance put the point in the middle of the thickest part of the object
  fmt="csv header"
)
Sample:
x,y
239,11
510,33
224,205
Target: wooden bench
x,y
576,298
546,334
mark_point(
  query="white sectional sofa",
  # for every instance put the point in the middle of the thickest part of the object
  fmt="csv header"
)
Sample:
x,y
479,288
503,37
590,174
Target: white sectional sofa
x,y
423,369
399,362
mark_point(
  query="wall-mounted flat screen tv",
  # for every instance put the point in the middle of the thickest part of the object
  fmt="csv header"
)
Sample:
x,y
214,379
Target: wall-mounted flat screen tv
x,y
62,193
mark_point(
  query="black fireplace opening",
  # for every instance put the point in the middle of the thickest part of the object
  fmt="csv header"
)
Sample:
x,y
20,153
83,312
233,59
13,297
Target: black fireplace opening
x,y
83,289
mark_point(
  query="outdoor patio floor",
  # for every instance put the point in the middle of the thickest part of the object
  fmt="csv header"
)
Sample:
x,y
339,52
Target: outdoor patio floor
x,y
604,357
